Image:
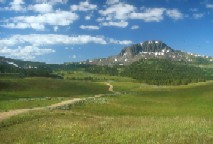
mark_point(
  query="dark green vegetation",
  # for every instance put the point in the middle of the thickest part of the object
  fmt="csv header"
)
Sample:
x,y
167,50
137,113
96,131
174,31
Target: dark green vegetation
x,y
150,71
165,72
158,72
145,114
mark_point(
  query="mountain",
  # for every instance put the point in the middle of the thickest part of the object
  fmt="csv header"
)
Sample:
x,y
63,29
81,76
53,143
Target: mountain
x,y
149,50
20,63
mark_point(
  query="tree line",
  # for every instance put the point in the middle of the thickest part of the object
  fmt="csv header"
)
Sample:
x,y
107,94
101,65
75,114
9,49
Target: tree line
x,y
157,72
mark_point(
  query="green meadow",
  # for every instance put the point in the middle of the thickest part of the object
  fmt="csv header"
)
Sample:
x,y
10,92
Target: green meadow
x,y
140,113
36,92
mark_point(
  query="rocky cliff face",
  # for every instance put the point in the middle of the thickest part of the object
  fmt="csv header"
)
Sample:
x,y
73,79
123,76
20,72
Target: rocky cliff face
x,y
147,46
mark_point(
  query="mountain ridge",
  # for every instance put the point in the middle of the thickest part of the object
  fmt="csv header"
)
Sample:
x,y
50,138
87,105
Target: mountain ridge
x,y
148,50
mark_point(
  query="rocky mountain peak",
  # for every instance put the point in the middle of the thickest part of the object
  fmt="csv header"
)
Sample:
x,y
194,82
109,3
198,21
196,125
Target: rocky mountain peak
x,y
147,46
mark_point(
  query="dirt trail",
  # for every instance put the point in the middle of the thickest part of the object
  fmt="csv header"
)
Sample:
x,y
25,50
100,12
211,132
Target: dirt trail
x,y
6,115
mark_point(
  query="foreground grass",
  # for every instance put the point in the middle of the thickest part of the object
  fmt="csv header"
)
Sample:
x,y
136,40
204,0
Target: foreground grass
x,y
141,114
67,127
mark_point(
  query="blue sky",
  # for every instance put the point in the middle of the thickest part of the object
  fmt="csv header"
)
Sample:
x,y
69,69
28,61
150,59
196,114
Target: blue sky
x,y
57,31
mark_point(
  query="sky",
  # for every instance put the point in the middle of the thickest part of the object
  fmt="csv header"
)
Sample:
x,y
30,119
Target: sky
x,y
58,31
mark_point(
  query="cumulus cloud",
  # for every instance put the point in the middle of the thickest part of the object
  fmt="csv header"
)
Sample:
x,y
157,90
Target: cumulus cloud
x,y
41,8
54,39
90,27
135,27
116,14
121,24
174,14
53,2
149,14
55,28
21,25
51,39
15,5
19,5
83,6
87,17
29,46
58,18
118,11
26,52
110,2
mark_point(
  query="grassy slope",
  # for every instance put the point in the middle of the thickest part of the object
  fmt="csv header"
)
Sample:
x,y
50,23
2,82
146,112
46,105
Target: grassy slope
x,y
145,114
33,92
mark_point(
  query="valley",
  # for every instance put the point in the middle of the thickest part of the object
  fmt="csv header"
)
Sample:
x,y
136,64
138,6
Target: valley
x,y
148,100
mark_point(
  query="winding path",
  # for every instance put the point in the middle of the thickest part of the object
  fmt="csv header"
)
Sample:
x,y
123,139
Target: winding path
x,y
6,115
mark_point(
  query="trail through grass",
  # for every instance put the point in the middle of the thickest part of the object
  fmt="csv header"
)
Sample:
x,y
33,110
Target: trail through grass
x,y
36,92
140,114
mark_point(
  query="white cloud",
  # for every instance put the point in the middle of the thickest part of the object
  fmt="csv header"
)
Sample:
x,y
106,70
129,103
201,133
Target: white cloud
x,y
26,52
149,14
198,15
17,2
83,6
135,27
29,46
209,5
110,2
87,17
15,5
124,42
35,26
54,39
90,27
53,2
121,24
117,14
118,11
174,14
51,39
41,8
55,28
58,18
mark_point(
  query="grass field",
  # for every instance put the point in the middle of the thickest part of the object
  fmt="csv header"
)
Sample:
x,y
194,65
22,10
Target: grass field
x,y
192,100
140,114
35,92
